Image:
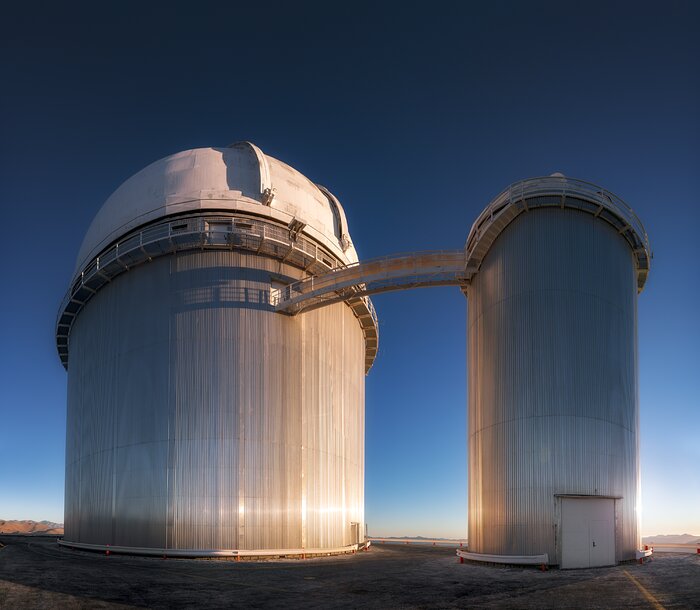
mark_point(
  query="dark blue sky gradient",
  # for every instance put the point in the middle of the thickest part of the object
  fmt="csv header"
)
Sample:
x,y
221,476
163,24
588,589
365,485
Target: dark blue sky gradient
x,y
415,115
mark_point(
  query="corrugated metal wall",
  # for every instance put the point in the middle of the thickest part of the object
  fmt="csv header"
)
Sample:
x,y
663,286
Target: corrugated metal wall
x,y
552,372
200,419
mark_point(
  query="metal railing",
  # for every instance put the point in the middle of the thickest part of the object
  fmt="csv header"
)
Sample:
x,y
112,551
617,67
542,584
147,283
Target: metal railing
x,y
453,542
563,192
372,312
674,547
555,185
204,231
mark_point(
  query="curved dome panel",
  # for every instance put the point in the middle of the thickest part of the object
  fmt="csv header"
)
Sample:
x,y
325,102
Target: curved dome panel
x,y
239,177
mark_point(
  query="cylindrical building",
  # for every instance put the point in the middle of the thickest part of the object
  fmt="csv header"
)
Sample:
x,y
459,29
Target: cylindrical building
x,y
554,268
201,421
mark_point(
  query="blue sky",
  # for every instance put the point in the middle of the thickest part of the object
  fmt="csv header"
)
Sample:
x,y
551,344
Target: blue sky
x,y
415,116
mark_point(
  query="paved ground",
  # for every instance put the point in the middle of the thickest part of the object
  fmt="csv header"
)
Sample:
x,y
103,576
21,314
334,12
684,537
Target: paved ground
x,y
36,573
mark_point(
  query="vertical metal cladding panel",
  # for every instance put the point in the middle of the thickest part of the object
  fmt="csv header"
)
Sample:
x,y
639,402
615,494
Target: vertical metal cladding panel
x,y
200,419
552,369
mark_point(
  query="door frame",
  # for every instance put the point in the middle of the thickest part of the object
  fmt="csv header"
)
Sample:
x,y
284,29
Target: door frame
x,y
558,518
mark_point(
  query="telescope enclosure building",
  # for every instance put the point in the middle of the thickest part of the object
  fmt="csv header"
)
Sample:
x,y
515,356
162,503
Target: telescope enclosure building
x,y
554,266
200,421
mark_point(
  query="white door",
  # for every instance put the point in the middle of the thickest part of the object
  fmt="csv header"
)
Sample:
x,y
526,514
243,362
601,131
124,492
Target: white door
x,y
587,532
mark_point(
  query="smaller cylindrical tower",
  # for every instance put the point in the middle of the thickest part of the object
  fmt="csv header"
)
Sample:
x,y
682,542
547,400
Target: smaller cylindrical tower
x,y
554,267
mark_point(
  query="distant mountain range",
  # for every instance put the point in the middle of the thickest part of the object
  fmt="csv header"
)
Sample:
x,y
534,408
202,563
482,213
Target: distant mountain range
x,y
672,539
30,527
49,527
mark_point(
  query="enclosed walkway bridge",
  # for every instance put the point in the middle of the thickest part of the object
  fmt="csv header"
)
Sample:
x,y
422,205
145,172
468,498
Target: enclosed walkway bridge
x,y
395,272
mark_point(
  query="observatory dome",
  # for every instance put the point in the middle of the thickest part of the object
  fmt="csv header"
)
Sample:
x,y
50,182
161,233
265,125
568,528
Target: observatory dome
x,y
236,178
202,419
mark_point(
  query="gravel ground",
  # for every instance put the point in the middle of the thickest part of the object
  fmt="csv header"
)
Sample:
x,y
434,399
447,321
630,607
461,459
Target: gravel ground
x,y
36,573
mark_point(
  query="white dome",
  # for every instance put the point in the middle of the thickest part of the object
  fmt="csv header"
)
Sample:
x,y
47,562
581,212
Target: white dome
x,y
237,178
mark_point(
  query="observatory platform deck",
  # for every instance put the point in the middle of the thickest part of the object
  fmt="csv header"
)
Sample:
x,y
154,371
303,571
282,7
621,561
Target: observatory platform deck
x,y
36,572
